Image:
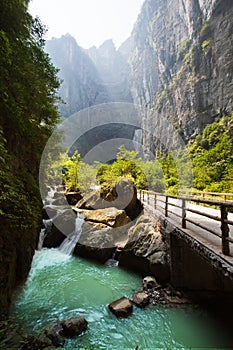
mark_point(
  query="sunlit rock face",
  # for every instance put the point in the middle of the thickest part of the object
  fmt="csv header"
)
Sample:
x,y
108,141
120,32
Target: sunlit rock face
x,y
90,77
182,68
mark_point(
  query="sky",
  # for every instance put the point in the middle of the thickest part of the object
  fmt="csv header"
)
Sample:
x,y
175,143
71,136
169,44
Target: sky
x,y
91,22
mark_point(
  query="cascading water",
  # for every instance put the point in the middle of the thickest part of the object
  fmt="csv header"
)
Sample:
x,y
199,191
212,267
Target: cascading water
x,y
47,223
137,139
50,196
68,245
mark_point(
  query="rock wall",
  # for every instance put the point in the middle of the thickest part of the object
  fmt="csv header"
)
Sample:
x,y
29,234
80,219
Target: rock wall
x,y
182,68
81,85
17,247
113,68
90,77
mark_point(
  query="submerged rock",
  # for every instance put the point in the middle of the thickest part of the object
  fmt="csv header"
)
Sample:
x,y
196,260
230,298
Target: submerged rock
x,y
66,328
121,307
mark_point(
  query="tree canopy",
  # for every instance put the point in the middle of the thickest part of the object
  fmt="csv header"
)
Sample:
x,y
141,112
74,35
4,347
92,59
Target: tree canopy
x,y
28,113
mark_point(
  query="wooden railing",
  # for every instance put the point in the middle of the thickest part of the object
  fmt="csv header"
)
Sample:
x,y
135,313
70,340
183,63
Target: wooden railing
x,y
226,197
164,203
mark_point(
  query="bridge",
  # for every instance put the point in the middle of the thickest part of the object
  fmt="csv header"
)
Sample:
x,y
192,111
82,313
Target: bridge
x,y
199,235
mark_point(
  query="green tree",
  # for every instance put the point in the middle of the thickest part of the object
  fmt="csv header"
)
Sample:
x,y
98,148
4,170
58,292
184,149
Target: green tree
x,y
28,114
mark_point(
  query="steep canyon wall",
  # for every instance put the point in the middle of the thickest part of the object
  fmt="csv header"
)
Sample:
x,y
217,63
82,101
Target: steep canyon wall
x,y
182,67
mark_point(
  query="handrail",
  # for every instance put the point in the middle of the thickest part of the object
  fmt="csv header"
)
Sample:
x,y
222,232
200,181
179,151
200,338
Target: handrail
x,y
152,198
204,194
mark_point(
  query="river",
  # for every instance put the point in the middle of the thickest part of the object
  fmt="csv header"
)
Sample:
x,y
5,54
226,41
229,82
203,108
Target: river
x,y
61,286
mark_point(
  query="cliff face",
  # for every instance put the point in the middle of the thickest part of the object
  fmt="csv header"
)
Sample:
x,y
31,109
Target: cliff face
x,y
81,85
113,68
90,77
182,67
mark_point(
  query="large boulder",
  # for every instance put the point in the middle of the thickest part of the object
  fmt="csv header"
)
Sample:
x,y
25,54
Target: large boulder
x,y
112,217
73,197
63,225
48,212
145,251
96,242
101,230
122,196
91,201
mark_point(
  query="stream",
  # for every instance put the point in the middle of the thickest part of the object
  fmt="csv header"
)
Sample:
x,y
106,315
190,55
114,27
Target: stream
x,y
61,286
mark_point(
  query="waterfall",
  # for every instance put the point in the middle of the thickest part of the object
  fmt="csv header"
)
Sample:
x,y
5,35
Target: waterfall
x,y
68,245
41,238
137,139
50,196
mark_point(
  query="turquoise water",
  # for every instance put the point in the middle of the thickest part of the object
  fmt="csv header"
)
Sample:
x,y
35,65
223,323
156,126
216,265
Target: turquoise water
x,y
61,286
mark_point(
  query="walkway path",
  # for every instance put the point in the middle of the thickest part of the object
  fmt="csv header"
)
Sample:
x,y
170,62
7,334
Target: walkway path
x,y
175,213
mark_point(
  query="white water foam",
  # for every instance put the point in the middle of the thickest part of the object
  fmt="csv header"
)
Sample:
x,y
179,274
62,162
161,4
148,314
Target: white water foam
x,y
68,245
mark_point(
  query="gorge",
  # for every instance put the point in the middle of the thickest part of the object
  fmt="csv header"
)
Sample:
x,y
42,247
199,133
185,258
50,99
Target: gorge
x,y
176,67
176,71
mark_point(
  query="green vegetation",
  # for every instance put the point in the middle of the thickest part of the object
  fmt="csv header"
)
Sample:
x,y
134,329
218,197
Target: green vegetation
x,y
204,29
206,165
182,49
212,157
206,45
28,86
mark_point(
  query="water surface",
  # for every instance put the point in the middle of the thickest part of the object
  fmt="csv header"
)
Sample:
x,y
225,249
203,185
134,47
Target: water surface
x,y
60,286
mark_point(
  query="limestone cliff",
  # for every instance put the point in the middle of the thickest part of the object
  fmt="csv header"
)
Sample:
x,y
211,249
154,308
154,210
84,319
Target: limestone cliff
x,y
90,77
113,68
81,85
182,67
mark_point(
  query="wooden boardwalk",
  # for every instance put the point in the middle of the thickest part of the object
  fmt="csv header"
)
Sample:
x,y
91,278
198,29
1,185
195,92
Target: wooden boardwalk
x,y
207,224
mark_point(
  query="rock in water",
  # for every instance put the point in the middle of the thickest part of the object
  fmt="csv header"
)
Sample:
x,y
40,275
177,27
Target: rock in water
x,y
73,327
121,307
141,299
67,328
63,225
149,282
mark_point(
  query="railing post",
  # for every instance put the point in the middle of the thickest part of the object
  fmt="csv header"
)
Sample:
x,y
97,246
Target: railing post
x,y
148,198
155,200
143,196
140,195
183,214
166,207
225,231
